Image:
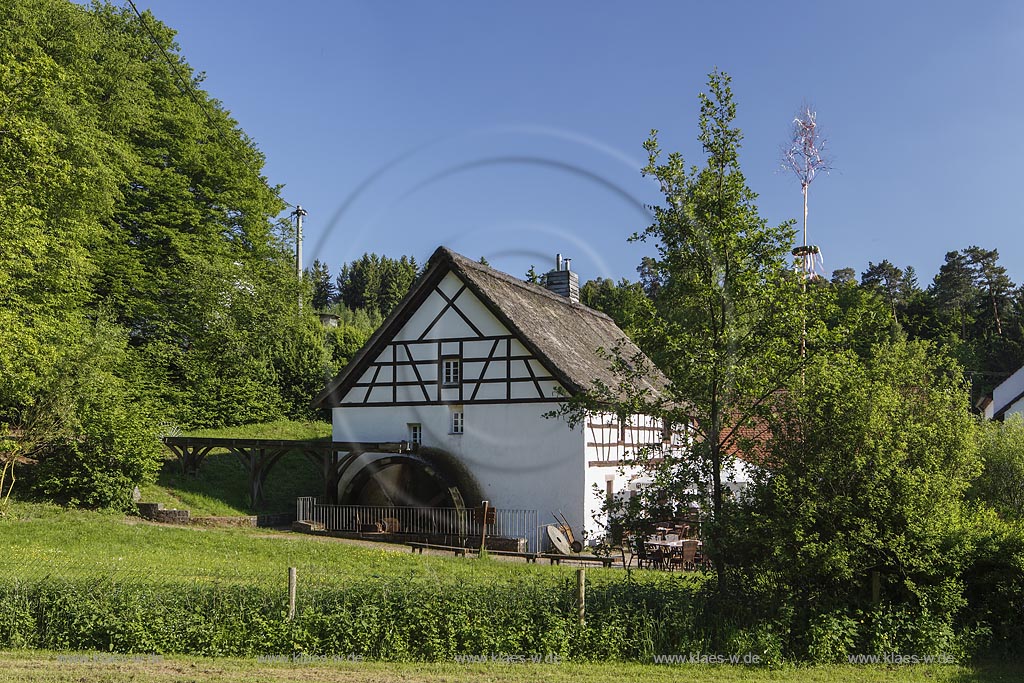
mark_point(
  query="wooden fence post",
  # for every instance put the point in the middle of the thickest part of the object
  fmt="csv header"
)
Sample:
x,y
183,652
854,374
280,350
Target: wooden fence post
x,y
292,581
483,528
581,595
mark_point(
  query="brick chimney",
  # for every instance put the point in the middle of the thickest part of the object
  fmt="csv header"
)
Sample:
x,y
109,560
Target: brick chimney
x,y
563,281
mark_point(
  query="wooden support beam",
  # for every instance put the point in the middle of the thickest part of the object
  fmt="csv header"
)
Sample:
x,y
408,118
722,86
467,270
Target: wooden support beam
x,y
257,463
258,457
189,457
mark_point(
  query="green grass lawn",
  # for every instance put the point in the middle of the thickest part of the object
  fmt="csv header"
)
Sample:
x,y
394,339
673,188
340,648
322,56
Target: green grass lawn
x,y
221,487
48,667
41,538
47,541
105,552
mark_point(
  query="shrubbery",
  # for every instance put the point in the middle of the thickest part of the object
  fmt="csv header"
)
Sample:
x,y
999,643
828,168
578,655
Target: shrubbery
x,y
92,432
377,619
859,514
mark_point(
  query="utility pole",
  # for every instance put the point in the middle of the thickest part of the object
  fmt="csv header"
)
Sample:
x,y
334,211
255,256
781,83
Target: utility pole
x,y
299,212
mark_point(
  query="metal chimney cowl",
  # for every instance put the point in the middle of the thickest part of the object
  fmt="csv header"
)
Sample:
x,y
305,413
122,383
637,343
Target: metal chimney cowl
x,y
563,281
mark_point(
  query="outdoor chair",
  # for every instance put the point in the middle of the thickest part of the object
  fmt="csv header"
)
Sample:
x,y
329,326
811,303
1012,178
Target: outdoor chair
x,y
687,554
656,559
640,552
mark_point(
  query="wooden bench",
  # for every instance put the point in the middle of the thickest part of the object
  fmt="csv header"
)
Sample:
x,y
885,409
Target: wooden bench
x,y
459,550
530,557
419,547
555,558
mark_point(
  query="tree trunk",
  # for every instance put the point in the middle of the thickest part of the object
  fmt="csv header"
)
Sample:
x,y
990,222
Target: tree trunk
x,y
717,556
995,312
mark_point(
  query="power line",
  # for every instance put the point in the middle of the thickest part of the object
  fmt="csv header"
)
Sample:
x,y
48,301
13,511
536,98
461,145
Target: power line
x,y
186,89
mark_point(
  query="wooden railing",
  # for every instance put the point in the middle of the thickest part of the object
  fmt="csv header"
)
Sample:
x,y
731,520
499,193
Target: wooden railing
x,y
458,523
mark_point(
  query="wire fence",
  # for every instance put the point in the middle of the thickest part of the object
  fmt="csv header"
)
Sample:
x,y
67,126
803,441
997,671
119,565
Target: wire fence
x,y
458,524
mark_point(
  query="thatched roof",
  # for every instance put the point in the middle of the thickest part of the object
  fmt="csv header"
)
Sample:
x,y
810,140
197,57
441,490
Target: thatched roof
x,y
565,336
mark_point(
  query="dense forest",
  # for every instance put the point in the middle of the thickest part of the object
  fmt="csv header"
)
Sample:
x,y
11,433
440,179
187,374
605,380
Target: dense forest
x,y
145,279
971,308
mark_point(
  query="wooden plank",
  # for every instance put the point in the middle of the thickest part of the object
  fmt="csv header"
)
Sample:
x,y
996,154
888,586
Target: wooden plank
x,y
294,444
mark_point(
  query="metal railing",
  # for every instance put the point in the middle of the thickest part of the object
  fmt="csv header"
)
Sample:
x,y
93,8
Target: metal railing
x,y
457,523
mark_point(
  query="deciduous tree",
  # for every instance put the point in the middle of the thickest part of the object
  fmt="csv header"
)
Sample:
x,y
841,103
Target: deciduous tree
x,y
725,324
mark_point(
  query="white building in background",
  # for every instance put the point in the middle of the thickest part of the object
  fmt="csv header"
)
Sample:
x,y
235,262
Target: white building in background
x,y
1007,398
468,365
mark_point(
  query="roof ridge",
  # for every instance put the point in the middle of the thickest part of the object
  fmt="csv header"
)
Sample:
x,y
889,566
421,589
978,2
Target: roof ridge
x,y
465,261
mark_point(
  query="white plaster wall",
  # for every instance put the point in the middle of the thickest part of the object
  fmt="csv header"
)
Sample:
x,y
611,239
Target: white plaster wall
x,y
1007,391
519,458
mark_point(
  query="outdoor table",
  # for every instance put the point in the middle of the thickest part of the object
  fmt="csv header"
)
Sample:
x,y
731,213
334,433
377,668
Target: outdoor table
x,y
673,544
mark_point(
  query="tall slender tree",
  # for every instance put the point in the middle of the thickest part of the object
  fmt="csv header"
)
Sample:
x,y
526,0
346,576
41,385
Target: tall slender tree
x,y
724,328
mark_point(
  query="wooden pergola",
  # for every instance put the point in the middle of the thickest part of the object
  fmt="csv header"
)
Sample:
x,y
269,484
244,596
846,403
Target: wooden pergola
x,y
258,457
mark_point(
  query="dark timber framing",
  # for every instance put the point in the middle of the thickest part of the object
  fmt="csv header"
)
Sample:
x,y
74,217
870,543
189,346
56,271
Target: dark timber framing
x,y
434,389
384,337
258,457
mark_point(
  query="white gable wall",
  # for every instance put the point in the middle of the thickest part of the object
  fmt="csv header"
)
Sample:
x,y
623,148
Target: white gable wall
x,y
452,322
451,325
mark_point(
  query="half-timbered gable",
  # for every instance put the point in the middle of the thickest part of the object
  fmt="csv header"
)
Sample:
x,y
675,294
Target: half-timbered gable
x,y
612,439
451,350
469,334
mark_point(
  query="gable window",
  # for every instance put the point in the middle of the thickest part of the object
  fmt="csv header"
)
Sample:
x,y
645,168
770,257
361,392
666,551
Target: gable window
x,y
458,421
415,433
451,374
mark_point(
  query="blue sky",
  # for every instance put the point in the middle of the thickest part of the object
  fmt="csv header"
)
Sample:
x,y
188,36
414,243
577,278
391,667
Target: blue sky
x,y
515,130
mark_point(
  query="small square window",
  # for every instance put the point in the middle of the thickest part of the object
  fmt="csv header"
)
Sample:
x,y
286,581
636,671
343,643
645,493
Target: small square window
x,y
415,433
452,372
458,422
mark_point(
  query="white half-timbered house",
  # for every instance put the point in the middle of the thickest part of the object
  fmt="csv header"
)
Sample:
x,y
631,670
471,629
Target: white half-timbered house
x,y
466,367
1007,399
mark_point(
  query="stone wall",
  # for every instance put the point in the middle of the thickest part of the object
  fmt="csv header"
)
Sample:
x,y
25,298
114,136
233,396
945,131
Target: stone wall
x,y
155,512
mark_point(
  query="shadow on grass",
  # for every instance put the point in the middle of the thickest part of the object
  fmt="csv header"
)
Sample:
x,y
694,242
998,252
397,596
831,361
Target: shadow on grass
x,y
221,488
991,672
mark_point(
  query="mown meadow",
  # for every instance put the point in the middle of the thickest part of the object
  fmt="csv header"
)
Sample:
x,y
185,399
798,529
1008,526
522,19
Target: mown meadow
x,y
212,602
50,667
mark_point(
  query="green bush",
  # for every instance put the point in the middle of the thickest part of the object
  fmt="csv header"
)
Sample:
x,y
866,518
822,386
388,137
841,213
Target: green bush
x,y
992,620
92,432
831,638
